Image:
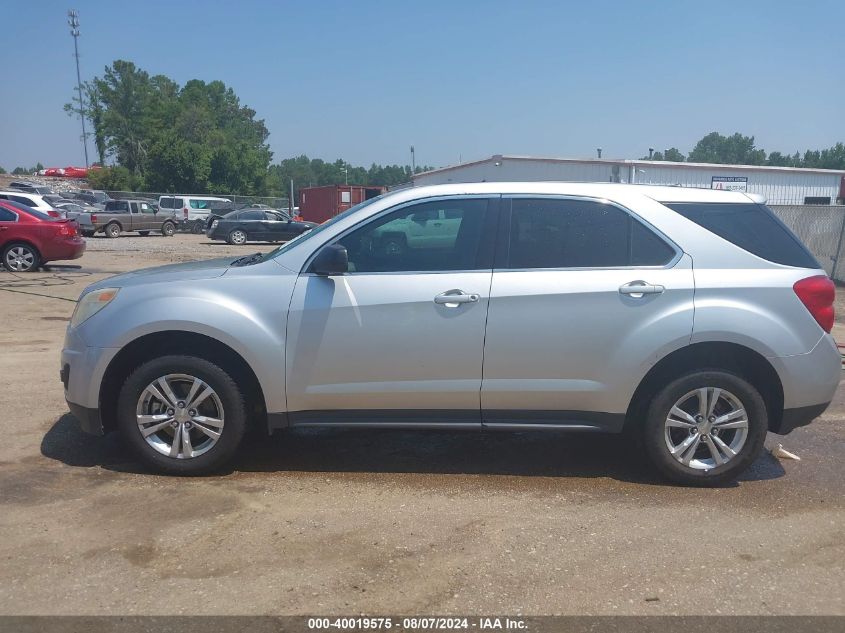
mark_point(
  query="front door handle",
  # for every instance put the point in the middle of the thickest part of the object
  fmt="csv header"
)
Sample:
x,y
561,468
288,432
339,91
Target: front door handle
x,y
638,288
453,298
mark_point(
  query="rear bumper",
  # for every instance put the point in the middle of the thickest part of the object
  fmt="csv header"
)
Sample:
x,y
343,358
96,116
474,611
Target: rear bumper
x,y
72,248
810,380
795,418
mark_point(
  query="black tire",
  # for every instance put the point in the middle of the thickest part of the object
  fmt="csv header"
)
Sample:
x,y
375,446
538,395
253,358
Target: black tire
x,y
230,396
655,430
198,227
112,230
168,229
143,233
20,257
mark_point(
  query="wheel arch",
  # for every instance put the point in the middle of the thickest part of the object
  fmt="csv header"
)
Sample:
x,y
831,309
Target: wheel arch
x,y
739,359
170,342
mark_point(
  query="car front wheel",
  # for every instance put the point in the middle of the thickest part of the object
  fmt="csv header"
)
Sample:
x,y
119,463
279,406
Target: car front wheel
x,y
705,428
182,415
168,229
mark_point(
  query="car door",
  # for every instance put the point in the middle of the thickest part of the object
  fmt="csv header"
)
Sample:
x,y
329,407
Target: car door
x,y
399,339
585,298
9,228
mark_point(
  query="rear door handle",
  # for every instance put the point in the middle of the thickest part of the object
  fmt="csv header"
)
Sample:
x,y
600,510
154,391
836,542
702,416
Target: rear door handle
x,y
638,288
453,298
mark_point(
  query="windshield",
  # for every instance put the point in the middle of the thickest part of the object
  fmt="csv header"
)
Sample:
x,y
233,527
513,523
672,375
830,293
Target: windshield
x,y
307,235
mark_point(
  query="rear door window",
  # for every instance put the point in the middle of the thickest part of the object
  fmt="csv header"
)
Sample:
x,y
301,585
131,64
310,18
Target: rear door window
x,y
251,215
567,233
752,227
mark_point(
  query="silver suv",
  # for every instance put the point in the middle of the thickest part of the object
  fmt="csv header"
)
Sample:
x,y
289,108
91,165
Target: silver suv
x,y
693,319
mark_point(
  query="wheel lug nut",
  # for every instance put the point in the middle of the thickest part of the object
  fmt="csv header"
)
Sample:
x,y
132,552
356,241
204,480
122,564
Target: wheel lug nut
x,y
187,425
192,412
170,412
180,404
174,424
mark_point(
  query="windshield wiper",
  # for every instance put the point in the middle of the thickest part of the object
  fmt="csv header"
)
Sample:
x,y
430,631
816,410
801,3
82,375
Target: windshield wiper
x,y
247,259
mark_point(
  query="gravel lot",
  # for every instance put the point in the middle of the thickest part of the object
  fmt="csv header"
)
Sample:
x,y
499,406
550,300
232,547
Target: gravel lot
x,y
347,522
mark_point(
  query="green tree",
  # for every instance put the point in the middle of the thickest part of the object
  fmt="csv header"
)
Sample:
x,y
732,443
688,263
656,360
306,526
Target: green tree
x,y
2,171
117,178
736,150
195,138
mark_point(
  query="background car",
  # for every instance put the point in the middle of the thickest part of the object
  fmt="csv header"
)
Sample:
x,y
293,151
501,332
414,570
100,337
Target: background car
x,y
93,197
256,225
32,200
31,187
29,238
192,211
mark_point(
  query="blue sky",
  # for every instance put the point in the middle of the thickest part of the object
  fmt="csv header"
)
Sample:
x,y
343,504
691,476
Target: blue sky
x,y
463,79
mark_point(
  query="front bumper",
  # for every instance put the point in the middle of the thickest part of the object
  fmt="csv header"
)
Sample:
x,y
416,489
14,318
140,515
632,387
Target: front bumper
x,y
82,370
89,419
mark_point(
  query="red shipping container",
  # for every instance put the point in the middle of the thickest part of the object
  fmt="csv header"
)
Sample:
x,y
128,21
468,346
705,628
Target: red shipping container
x,y
318,204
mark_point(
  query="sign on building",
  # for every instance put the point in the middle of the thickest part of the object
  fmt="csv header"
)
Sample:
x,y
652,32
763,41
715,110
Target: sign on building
x,y
729,183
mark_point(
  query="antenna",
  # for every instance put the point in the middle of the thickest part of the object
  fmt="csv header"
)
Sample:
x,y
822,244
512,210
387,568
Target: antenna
x,y
73,23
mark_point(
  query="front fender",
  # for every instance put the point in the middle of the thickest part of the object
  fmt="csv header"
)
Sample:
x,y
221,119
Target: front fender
x,y
240,312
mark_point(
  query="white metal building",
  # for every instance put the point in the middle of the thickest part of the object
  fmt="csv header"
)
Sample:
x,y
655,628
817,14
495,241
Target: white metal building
x,y
780,185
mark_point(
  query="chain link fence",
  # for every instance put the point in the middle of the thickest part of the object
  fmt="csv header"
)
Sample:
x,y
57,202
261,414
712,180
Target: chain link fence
x,y
822,229
238,200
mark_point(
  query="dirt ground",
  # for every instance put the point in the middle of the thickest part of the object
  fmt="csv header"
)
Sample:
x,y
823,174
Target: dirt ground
x,y
346,522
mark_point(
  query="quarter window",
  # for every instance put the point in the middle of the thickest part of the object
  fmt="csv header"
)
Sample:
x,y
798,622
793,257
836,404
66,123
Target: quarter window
x,y
752,227
7,216
427,237
549,233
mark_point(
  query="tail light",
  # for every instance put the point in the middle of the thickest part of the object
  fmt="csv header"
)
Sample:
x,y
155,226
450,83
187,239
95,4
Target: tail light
x,y
54,214
185,212
817,294
67,229
93,219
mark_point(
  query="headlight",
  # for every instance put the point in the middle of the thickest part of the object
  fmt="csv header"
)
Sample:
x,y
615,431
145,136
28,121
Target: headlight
x,y
91,304
214,224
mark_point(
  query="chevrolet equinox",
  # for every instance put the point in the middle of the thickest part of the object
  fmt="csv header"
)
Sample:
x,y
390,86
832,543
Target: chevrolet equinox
x,y
692,319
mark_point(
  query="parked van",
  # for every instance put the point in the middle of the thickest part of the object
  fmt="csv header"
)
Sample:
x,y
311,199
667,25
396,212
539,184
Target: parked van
x,y
194,209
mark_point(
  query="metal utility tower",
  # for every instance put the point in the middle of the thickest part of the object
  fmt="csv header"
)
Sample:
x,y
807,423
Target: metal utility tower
x,y
73,22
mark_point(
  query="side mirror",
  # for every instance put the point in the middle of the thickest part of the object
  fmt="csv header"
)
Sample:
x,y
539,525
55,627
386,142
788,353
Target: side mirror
x,y
331,260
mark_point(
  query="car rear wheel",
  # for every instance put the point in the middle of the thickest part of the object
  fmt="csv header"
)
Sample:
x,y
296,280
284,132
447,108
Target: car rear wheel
x,y
112,230
198,227
182,415
237,237
705,428
21,258
168,229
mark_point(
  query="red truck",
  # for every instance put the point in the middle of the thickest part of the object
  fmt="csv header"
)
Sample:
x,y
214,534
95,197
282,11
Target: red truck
x,y
318,204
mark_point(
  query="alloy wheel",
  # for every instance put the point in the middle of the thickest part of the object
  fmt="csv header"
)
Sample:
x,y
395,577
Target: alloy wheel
x,y
706,428
20,259
180,416
238,237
